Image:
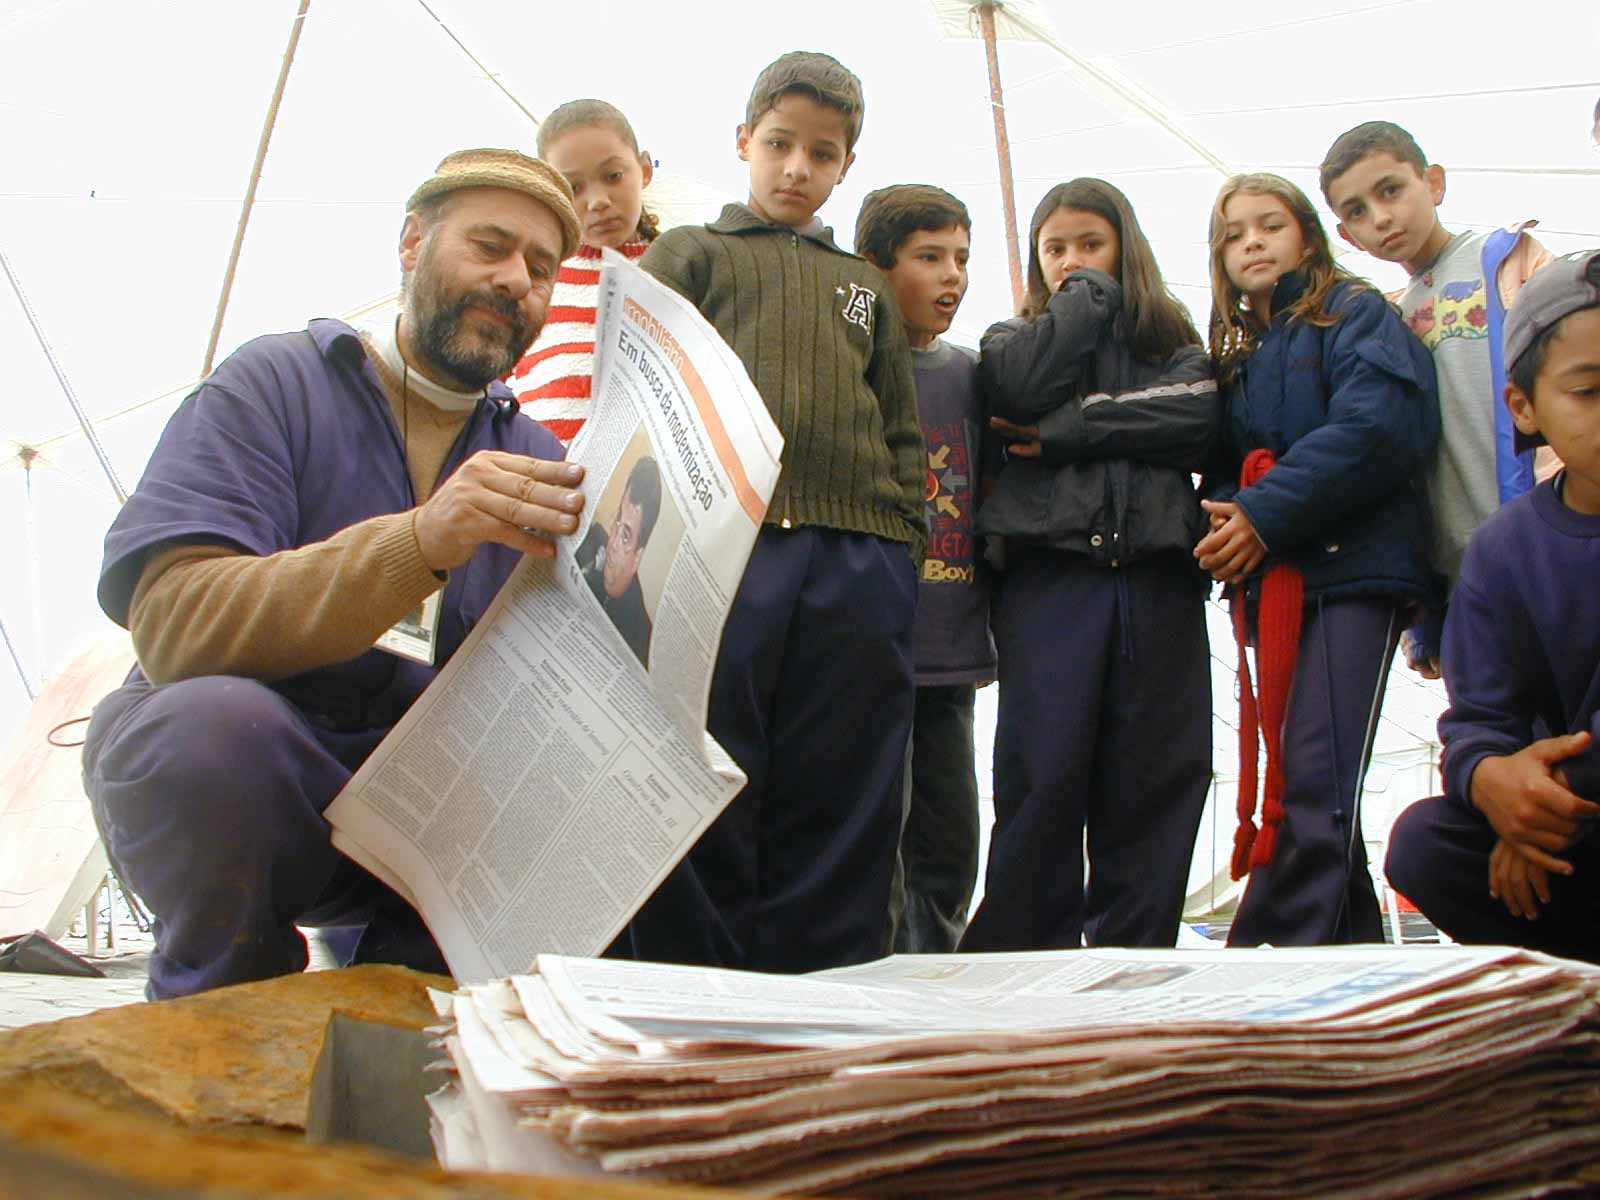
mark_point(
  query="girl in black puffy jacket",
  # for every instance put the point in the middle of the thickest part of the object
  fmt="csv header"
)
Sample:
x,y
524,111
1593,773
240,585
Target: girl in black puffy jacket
x,y
1105,401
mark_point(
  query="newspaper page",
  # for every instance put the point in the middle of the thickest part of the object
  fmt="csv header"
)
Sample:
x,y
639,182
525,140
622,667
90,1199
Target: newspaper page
x,y
558,768
649,1004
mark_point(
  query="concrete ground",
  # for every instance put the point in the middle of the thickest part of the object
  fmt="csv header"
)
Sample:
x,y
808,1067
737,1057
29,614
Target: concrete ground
x,y
26,999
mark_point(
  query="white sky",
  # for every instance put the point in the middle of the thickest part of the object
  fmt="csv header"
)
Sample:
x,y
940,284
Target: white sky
x,y
130,127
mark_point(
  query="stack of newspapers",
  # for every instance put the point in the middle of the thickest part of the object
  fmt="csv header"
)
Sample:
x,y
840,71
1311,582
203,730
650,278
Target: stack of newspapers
x,y
1361,1071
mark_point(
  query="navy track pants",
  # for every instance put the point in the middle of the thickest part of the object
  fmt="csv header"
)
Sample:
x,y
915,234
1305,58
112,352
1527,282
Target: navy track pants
x,y
812,696
1317,889
1104,725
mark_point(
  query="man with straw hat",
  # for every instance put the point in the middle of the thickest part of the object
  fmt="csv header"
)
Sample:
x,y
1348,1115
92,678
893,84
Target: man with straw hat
x,y
322,522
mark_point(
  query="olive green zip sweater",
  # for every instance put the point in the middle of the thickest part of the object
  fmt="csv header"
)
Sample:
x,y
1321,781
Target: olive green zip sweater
x,y
818,331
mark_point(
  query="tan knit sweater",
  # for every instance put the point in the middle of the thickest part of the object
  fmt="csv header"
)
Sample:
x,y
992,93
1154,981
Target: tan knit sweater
x,y
213,610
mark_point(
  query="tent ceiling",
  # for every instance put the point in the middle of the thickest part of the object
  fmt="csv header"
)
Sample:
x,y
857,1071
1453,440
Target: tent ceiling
x,y
131,128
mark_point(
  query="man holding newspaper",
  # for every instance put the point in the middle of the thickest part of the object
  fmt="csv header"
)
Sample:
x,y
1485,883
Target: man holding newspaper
x,y
324,519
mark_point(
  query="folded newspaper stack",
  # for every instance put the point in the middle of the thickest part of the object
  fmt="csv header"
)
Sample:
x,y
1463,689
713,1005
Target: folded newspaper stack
x,y
1359,1071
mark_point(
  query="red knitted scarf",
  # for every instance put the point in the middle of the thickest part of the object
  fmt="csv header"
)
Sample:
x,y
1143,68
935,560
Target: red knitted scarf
x,y
1277,643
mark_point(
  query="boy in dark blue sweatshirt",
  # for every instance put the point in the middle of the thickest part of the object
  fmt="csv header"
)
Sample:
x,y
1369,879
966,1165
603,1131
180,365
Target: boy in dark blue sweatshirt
x,y
919,236
1510,854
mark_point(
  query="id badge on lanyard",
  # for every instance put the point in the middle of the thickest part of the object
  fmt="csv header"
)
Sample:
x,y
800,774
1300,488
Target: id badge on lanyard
x,y
416,634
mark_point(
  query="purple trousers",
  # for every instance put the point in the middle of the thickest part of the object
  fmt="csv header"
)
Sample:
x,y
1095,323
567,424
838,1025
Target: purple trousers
x,y
208,794
1105,727
937,867
1317,889
1439,860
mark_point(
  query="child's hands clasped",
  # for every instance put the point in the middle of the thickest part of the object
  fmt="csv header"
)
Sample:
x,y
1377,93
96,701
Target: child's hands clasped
x,y
1022,441
1522,886
1426,665
1525,798
1233,549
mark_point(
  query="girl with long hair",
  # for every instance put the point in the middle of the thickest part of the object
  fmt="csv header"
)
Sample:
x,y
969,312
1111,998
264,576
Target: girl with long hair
x,y
1319,535
1104,400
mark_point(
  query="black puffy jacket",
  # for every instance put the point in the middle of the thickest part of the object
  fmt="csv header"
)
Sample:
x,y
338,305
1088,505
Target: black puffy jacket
x,y
1120,437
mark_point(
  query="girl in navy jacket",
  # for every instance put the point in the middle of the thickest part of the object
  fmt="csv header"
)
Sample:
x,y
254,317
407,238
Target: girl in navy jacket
x,y
1319,533
1105,399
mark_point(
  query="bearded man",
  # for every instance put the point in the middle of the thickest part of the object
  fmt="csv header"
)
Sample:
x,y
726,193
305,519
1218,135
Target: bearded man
x,y
322,522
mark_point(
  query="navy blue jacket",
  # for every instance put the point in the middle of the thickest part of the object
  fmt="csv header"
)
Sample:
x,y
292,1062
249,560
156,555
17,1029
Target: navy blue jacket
x,y
1120,437
1351,411
286,443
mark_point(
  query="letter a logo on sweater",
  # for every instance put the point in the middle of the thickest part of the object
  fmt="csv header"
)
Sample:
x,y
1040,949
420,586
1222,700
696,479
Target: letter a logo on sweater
x,y
858,309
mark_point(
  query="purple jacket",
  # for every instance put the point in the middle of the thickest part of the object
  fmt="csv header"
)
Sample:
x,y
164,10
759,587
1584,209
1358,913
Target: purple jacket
x,y
1522,640
289,441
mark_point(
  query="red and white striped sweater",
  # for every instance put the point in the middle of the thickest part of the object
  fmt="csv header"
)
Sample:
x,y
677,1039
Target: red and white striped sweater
x,y
552,379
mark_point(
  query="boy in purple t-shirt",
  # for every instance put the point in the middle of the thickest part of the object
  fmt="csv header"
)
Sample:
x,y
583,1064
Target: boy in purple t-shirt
x,y
918,236
1510,854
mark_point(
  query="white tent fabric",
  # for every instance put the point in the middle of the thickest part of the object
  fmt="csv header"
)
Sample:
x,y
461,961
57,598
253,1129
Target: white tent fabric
x,y
130,130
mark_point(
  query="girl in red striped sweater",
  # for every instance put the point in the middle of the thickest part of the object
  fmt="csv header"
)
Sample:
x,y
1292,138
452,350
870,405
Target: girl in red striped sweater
x,y
592,144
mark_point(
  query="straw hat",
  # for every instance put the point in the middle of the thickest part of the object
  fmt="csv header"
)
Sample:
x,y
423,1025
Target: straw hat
x,y
505,169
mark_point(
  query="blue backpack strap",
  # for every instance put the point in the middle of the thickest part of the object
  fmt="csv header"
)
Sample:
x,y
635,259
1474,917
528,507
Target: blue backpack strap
x,y
1513,471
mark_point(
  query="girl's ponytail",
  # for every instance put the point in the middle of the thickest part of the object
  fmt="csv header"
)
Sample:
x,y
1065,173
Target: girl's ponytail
x,y
649,226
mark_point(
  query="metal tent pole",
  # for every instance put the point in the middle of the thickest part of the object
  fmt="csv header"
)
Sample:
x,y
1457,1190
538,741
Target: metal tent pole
x,y
1002,146
250,192
28,457
5,636
61,378
487,74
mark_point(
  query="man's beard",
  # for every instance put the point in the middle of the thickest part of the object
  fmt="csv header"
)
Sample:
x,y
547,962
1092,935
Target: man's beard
x,y
473,356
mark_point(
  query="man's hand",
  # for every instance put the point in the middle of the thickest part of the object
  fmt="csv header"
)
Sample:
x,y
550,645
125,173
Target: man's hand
x,y
1233,549
1022,441
1522,886
494,496
1525,797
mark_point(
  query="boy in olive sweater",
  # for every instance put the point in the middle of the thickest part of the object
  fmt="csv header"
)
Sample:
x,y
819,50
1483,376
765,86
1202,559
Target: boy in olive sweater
x,y
813,688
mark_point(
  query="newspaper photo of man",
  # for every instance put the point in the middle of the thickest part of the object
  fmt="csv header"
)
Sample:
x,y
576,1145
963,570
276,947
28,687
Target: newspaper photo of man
x,y
614,576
